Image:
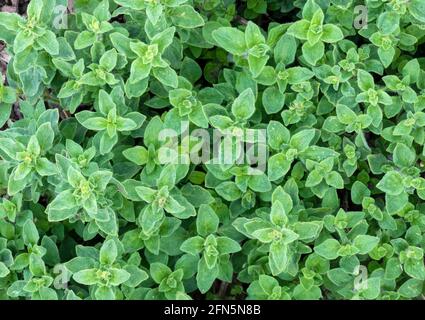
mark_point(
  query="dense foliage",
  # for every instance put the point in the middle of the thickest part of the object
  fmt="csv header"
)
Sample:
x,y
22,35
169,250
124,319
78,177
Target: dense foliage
x,y
96,206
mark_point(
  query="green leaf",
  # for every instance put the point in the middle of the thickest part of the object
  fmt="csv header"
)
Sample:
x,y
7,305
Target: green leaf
x,y
10,147
136,276
193,245
104,293
118,276
334,179
277,135
173,206
285,49
416,9
207,221
87,277
391,183
45,136
107,142
137,155
167,76
154,13
302,139
45,168
226,245
10,20
312,53
365,80
14,185
205,276
278,215
313,179
278,166
388,22
279,194
109,60
186,17
30,233
145,193
264,235
229,191
167,177
4,271
139,70
365,243
230,39
308,230
84,40
36,265
22,41
243,106
299,29
273,100
95,123
257,64
331,33
108,252
279,257
345,114
298,74
359,191
328,249
164,39
49,42
22,171
403,156
125,124
415,269
5,111
411,288
259,183
159,272
386,56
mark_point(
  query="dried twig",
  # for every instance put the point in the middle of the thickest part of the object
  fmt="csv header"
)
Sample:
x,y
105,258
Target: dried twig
x,y
241,20
70,6
8,9
223,289
17,111
55,103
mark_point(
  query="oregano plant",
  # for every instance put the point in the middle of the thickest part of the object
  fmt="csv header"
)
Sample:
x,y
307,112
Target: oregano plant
x,y
187,149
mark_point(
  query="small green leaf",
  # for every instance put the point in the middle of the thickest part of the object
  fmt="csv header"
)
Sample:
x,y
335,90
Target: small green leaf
x,y
391,183
244,105
328,249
